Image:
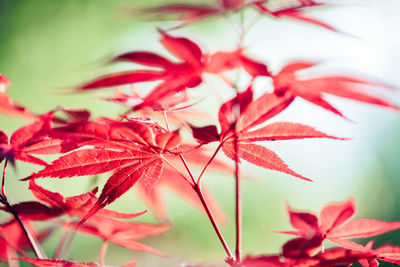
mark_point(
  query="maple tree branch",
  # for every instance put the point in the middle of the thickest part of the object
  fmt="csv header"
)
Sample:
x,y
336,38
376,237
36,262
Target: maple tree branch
x,y
3,199
62,239
209,162
34,244
3,181
197,188
188,169
238,204
167,161
103,251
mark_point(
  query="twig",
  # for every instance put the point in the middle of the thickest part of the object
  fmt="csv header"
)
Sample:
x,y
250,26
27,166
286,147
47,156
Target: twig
x,y
197,188
209,162
238,204
103,251
62,239
3,181
34,244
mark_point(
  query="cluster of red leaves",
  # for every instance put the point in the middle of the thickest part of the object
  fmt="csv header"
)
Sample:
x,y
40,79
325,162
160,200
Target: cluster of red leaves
x,y
140,153
335,225
175,77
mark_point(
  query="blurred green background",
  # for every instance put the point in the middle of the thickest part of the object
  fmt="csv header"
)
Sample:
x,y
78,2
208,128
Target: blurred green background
x,y
48,47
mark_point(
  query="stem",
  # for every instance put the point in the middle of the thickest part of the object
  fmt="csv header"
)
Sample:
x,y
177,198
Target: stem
x,y
238,205
67,247
166,120
178,171
34,244
62,239
208,163
188,169
103,251
197,188
3,181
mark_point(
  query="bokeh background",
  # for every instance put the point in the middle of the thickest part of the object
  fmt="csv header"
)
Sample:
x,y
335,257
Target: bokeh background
x,y
48,47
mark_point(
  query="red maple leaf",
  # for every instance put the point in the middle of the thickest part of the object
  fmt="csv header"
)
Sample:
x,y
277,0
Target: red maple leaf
x,y
34,210
289,82
366,255
122,233
58,204
193,12
335,225
68,205
334,257
134,150
175,77
238,116
32,140
294,9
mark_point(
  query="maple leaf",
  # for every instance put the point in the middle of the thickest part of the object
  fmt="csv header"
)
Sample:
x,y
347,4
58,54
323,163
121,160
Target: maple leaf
x,y
121,233
175,77
133,150
68,205
75,205
292,11
287,81
7,105
32,140
365,255
13,239
193,12
33,210
334,257
239,115
58,204
335,225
